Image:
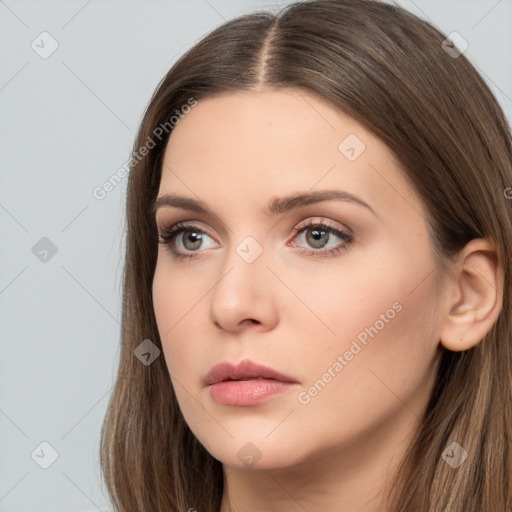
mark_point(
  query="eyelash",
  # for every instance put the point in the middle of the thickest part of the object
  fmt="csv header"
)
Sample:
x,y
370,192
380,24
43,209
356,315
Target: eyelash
x,y
170,233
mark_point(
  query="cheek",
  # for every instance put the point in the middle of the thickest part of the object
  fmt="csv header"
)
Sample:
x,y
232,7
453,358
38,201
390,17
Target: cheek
x,y
352,297
382,359
175,302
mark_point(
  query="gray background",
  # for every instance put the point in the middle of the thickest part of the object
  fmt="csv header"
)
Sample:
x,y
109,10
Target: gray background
x,y
68,123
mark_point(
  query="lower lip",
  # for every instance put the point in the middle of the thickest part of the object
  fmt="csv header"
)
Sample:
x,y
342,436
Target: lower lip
x,y
248,392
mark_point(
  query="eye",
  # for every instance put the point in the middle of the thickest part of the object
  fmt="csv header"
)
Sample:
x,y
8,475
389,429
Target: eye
x,y
188,236
319,234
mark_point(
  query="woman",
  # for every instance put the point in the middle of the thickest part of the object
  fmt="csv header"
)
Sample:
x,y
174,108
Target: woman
x,y
316,308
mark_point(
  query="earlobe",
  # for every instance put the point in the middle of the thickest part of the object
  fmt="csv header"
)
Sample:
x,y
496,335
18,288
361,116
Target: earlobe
x,y
477,288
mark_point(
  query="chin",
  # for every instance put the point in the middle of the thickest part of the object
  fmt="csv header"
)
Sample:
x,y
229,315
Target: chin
x,y
254,452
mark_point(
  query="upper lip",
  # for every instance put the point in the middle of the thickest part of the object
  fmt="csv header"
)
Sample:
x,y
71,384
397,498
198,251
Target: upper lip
x,y
244,370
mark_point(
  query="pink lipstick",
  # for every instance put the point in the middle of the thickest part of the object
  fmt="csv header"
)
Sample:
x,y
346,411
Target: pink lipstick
x,y
246,383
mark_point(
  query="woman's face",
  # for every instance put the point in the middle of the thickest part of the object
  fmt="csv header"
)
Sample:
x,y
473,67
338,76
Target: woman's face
x,y
338,295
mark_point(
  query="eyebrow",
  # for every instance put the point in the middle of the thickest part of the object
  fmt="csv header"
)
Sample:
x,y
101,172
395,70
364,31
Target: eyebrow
x,y
277,205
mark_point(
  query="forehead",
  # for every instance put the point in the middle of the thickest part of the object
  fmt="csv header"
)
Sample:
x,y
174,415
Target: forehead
x,y
254,145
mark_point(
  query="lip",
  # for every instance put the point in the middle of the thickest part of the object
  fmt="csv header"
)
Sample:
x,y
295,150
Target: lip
x,y
246,383
244,370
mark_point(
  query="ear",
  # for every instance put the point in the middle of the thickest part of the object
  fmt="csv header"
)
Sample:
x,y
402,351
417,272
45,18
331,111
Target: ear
x,y
475,296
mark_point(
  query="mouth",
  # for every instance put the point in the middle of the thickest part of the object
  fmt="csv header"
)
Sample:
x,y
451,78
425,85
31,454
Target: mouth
x,y
247,383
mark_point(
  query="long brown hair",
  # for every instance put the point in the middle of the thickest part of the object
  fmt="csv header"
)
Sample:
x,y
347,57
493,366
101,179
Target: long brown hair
x,y
388,70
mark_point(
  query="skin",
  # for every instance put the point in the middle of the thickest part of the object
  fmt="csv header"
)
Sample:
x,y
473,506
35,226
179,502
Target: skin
x,y
296,312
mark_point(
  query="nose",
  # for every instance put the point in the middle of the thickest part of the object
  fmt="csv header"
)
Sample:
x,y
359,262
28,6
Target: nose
x,y
243,296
